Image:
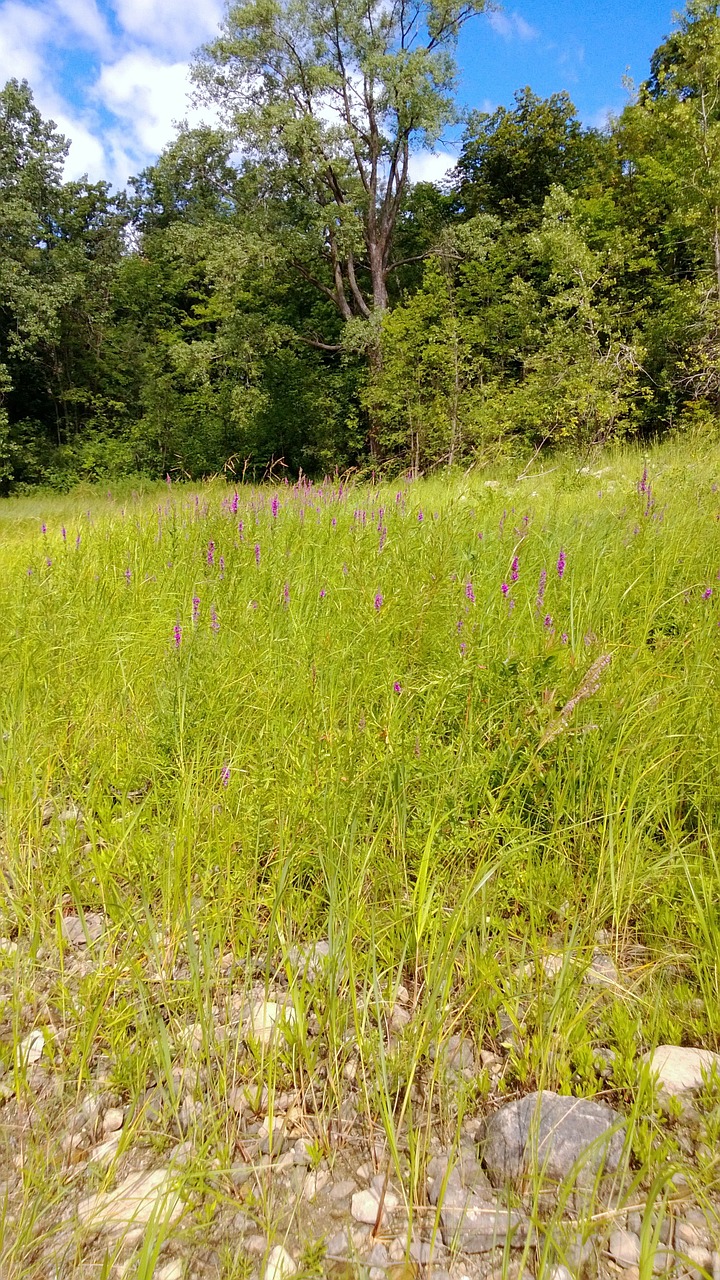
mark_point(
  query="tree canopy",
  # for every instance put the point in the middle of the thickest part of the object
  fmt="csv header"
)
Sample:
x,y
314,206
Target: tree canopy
x,y
277,288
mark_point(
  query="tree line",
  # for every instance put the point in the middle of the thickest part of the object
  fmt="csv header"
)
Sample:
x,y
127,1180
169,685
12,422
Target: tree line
x,y
275,291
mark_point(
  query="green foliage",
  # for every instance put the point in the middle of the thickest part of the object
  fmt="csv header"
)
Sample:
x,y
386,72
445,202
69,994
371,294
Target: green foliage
x,y
307,306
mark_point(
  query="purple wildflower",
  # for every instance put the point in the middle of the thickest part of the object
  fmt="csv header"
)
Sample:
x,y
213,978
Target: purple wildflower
x,y
221,563
225,774
420,517
64,533
211,553
383,538
547,621
541,590
469,592
253,604
214,622
504,588
564,637
49,563
463,646
168,481
196,608
707,593
515,569
77,542
333,522
397,687
234,503
257,552
43,528
286,593
378,601
561,564
643,482
177,635
128,575
323,593
274,506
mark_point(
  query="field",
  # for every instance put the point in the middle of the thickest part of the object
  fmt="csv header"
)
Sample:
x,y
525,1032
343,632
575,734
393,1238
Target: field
x,y
464,732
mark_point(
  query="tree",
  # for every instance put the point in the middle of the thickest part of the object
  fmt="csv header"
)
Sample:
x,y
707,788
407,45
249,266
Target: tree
x,y
328,98
512,158
670,144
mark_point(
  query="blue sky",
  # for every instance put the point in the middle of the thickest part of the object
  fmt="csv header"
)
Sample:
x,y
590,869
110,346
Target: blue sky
x,y
113,73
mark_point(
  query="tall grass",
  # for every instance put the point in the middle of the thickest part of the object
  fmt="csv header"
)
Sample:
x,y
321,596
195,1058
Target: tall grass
x,y
382,717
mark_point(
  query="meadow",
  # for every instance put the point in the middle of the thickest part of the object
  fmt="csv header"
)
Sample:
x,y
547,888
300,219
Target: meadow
x,y
449,727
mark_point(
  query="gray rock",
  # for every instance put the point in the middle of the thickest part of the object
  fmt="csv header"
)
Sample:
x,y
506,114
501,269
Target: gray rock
x,y
680,1070
470,1218
481,1225
624,1248
555,1135
310,961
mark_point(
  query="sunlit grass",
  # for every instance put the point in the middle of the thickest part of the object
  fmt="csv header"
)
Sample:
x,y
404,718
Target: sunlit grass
x,y
330,720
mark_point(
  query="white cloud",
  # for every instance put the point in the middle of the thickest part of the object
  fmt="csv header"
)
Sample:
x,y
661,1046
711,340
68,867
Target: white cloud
x,y
147,95
24,33
512,26
431,166
177,26
86,21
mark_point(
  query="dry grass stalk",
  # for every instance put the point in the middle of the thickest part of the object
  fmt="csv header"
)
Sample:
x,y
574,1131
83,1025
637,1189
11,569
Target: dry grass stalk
x,y
589,686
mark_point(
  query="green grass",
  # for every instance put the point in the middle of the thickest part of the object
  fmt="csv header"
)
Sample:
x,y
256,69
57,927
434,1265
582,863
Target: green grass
x,y
400,780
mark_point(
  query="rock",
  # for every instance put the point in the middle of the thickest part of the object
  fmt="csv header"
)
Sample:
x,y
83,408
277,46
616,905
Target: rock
x,y
343,1190
680,1070
479,1225
105,1152
378,1256
31,1049
79,931
310,961
470,1218
558,1272
174,1270
136,1200
365,1205
113,1120
554,1135
624,1248
279,1264
264,1019
314,1184
399,1017
602,971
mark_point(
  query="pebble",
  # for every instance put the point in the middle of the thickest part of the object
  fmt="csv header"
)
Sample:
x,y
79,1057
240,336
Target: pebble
x,y
624,1247
341,1190
133,1202
174,1270
113,1120
254,1244
314,1183
31,1049
279,1264
365,1205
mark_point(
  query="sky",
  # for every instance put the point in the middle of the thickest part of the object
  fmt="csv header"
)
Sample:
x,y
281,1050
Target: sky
x,y
113,74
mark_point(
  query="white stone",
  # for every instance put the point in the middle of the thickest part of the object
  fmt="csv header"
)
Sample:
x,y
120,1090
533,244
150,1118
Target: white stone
x,y
174,1270
31,1049
624,1247
279,1264
113,1120
264,1018
680,1070
136,1200
314,1183
105,1152
364,1207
